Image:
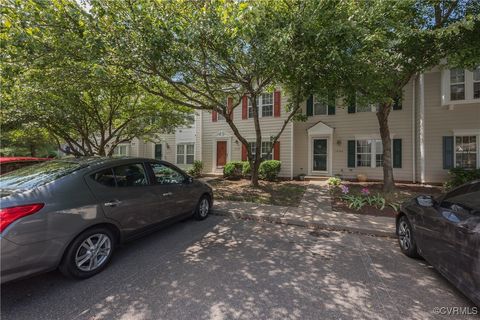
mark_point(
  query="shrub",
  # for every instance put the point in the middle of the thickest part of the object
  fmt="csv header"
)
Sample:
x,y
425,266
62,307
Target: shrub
x,y
334,182
233,170
246,169
269,170
197,168
459,176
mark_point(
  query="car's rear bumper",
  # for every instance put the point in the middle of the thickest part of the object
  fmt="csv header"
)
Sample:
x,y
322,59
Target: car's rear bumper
x,y
18,261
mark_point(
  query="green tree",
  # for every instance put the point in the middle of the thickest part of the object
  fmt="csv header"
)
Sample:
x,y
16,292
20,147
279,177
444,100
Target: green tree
x,y
384,44
200,53
55,77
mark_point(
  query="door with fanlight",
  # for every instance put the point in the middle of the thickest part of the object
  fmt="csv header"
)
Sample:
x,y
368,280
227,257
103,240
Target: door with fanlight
x,y
319,155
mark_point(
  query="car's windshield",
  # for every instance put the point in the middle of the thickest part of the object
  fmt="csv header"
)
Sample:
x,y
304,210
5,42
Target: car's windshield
x,y
33,176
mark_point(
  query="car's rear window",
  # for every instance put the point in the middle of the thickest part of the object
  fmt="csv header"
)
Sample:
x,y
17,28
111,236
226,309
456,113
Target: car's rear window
x,y
33,176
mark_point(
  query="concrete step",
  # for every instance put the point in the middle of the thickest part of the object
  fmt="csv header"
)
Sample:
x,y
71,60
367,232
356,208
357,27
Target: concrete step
x,y
316,178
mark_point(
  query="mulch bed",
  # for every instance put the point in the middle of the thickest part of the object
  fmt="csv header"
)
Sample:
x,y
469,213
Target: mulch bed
x,y
280,193
402,193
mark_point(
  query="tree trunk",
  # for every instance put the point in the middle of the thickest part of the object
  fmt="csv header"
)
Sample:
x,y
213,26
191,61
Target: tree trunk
x,y
32,150
382,115
254,170
258,140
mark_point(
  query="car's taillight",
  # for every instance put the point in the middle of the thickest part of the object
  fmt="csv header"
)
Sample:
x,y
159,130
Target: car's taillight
x,y
11,214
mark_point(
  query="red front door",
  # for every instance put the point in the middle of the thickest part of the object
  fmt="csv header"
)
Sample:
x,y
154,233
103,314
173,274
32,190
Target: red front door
x,y
221,153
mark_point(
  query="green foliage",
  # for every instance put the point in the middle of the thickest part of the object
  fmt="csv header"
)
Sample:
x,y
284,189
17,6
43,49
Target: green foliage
x,y
394,205
355,201
334,182
58,78
269,169
196,170
459,176
246,171
233,170
377,201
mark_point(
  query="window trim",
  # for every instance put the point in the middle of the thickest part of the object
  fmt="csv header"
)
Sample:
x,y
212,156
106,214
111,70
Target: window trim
x,y
468,82
455,148
260,106
185,154
121,145
373,153
262,154
313,107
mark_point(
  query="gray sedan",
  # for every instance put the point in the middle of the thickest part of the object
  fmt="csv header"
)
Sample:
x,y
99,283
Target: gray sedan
x,y
72,213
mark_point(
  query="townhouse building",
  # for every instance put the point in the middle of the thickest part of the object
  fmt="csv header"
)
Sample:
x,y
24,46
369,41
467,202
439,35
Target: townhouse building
x,y
435,126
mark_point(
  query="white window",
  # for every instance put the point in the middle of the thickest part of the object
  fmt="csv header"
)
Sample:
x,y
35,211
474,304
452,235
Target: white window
x,y
361,106
264,104
264,149
185,153
466,152
476,83
457,84
121,150
320,106
220,117
460,86
369,153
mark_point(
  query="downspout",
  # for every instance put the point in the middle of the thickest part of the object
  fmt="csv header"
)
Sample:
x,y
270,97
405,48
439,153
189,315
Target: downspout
x,y
421,128
291,151
414,137
199,132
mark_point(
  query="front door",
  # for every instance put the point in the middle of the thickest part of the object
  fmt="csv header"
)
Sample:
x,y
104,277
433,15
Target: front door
x,y
319,155
221,153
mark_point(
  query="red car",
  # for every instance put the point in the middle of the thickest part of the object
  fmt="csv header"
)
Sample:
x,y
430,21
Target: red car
x,y
8,164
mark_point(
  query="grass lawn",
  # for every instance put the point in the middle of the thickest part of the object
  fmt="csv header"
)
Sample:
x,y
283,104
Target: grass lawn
x,y
280,193
402,193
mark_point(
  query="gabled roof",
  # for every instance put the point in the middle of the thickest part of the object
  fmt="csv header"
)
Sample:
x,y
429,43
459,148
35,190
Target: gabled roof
x,y
320,128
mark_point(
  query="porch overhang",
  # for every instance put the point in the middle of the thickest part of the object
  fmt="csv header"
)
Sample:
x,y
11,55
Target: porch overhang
x,y
320,128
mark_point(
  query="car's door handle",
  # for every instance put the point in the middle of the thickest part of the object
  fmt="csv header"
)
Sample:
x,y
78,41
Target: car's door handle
x,y
113,203
166,194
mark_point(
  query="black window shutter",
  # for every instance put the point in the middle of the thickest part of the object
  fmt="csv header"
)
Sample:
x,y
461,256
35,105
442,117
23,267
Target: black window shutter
x,y
448,152
397,103
351,101
397,153
310,106
351,154
331,105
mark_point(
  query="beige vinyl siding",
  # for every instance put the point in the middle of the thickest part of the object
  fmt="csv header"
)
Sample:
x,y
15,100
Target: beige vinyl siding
x,y
348,126
220,130
441,121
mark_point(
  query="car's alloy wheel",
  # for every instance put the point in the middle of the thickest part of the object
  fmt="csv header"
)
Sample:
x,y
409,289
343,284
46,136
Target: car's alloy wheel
x,y
89,253
93,252
202,209
406,237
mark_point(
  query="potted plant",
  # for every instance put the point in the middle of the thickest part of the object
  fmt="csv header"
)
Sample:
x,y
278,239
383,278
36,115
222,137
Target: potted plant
x,y
361,177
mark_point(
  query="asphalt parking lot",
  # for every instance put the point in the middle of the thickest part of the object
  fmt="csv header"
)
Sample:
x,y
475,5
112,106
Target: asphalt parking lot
x,y
230,269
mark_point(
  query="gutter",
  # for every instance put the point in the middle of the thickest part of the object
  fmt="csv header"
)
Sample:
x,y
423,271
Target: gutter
x,y
414,137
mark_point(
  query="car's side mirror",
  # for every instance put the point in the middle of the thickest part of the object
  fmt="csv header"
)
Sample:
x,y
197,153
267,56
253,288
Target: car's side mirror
x,y
425,201
188,179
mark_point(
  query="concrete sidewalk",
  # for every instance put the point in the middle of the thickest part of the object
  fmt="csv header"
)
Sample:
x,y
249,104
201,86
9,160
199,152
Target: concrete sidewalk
x,y
314,211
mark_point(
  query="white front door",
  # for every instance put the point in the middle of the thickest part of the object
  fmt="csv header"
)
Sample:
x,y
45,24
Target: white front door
x,y
319,155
